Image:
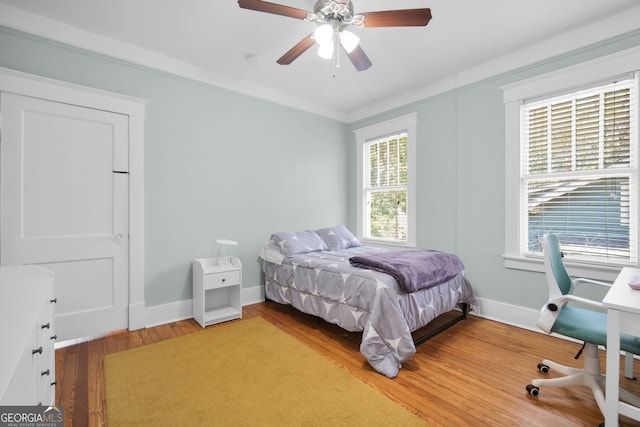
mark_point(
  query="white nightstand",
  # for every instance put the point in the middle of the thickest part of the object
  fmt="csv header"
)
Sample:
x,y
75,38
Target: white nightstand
x,y
217,290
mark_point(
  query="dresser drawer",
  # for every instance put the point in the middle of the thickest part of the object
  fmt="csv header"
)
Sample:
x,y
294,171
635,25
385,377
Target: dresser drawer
x,y
27,371
222,279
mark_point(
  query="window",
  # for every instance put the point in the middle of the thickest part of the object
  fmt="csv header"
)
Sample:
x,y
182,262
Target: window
x,y
385,187
386,201
579,174
576,172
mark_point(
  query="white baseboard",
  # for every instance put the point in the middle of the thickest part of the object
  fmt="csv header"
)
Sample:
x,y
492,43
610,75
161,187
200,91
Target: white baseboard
x,y
514,315
181,310
253,295
520,317
509,314
167,313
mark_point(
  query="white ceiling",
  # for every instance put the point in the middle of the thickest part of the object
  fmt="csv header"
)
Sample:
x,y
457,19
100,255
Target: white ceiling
x,y
217,42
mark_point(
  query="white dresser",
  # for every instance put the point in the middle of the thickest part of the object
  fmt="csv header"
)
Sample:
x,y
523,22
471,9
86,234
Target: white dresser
x,y
27,336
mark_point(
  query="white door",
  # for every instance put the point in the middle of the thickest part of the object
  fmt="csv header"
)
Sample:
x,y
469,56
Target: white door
x,y
63,205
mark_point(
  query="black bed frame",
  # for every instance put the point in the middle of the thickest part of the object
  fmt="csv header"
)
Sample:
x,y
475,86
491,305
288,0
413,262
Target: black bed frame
x,y
465,309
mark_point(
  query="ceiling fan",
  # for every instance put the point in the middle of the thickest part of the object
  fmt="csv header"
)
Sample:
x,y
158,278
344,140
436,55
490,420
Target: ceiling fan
x,y
332,17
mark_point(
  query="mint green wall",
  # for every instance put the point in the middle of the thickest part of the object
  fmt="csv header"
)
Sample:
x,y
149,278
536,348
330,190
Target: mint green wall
x,y
461,176
221,164
218,164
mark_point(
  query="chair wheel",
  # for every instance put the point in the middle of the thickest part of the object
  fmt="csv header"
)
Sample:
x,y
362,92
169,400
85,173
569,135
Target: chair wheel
x,y
543,368
533,390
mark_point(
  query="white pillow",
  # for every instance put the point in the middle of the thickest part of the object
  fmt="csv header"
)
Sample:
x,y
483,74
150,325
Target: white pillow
x,y
338,237
271,252
298,242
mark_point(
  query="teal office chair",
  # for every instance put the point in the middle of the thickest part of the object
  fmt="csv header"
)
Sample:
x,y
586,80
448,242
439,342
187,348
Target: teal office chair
x,y
582,324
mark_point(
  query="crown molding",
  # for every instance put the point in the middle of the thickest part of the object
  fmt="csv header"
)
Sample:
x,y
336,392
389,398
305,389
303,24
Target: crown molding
x,y
607,28
37,25
571,40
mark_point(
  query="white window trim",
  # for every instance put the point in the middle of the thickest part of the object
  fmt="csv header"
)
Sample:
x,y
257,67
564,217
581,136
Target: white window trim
x,y
404,123
570,78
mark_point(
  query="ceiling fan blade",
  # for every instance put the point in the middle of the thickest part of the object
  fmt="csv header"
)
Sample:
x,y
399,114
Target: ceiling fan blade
x,y
300,48
397,18
276,9
359,59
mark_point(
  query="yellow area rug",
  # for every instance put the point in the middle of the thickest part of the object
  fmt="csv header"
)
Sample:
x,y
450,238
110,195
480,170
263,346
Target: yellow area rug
x,y
245,373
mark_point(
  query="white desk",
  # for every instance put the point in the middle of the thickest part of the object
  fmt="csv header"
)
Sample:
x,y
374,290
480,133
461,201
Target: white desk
x,y
623,315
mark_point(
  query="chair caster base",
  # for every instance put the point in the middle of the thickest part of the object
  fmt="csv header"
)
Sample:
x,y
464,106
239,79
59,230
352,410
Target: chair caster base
x,y
543,368
533,390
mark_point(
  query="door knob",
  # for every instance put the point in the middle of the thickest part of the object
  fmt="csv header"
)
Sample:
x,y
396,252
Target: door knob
x,y
119,238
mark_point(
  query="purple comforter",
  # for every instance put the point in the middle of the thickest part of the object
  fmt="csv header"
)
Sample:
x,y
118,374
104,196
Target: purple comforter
x,y
414,269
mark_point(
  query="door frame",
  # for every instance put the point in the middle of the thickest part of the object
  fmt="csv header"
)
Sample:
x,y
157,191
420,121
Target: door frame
x,y
35,86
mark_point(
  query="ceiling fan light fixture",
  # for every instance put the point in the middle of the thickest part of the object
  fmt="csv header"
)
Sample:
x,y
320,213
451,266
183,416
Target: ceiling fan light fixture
x,y
332,17
349,41
325,50
323,34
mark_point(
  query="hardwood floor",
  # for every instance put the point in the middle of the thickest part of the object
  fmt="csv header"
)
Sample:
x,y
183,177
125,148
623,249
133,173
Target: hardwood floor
x,y
473,374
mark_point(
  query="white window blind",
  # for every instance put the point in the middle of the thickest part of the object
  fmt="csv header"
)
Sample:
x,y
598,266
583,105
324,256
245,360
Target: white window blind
x,y
385,187
579,172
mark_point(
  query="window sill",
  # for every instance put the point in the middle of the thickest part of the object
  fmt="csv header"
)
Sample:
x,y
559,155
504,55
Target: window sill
x,y
576,269
383,244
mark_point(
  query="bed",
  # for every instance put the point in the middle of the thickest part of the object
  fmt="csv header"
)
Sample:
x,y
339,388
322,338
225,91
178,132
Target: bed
x,y
314,272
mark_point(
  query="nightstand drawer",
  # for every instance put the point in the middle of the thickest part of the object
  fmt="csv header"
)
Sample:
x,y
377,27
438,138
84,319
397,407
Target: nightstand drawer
x,y
219,280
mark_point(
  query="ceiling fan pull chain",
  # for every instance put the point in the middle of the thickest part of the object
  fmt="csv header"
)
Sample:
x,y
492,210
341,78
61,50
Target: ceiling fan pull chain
x,y
334,65
336,53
